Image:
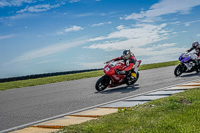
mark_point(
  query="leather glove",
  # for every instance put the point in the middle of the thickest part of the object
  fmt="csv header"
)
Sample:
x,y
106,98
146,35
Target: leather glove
x,y
122,57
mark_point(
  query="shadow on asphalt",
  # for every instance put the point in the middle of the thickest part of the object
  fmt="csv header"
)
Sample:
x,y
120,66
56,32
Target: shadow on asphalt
x,y
190,75
125,89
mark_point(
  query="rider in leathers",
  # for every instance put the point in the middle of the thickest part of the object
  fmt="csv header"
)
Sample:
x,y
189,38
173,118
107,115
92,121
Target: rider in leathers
x,y
129,59
196,46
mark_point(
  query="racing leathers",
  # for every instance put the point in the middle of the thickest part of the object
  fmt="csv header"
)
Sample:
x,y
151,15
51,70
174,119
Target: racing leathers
x,y
197,53
129,63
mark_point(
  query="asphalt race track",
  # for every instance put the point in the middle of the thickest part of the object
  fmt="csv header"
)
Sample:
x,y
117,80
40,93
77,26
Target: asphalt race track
x,y
26,105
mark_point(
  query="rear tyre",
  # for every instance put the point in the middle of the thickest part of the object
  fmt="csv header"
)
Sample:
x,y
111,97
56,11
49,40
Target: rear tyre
x,y
178,71
102,83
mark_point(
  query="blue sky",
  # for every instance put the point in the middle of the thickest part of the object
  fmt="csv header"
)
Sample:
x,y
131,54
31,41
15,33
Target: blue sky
x,y
43,36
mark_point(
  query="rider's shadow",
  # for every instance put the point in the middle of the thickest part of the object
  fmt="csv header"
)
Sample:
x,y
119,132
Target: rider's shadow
x,y
125,89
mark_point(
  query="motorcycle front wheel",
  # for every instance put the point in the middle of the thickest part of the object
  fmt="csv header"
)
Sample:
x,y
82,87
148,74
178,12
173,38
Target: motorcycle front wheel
x,y
131,82
178,71
102,83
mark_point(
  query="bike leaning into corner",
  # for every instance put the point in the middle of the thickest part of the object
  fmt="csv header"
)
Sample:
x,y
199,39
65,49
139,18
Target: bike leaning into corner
x,y
187,64
115,73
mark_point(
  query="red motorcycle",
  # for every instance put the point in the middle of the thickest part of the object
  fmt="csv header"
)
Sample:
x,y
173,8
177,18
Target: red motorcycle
x,y
111,79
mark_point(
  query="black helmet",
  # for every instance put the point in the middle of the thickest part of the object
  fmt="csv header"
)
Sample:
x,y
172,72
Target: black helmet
x,y
195,44
126,54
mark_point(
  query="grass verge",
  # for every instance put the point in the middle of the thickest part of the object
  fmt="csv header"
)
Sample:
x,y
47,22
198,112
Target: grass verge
x,y
158,65
68,77
179,113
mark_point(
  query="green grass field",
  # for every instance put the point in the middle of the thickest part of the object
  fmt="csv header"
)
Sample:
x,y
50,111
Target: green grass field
x,y
68,77
179,113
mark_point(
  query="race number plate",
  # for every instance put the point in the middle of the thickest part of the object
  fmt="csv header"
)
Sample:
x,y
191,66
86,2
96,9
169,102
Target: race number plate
x,y
107,69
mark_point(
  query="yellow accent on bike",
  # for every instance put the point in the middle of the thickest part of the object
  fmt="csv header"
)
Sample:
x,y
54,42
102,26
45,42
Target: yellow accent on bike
x,y
133,74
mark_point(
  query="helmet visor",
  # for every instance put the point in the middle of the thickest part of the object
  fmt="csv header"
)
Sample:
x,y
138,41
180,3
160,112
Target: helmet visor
x,y
126,54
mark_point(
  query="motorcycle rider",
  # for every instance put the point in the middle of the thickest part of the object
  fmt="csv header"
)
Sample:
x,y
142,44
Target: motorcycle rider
x,y
196,46
130,60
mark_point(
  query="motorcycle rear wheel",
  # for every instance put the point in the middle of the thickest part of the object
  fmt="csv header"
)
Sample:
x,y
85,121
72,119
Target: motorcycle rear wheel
x,y
102,83
178,71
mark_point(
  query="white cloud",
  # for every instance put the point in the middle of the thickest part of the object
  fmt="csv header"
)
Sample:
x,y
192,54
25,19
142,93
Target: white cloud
x,y
198,35
163,56
73,28
157,50
176,23
165,45
6,36
187,24
85,14
46,61
73,1
4,3
101,24
159,53
164,7
38,8
120,27
21,16
140,39
98,38
53,49
88,14
191,22
140,35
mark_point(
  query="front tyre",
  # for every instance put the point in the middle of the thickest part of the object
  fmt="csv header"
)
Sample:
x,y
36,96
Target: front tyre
x,y
178,71
102,83
197,68
132,81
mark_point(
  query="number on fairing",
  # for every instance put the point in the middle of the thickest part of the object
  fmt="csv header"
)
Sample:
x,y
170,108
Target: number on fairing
x,y
107,69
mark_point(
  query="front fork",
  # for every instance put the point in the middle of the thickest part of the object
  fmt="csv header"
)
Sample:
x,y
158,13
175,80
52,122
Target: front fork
x,y
131,75
183,67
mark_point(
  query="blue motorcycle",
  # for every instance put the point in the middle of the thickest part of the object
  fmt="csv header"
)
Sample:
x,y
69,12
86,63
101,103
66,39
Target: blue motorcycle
x,y
187,64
